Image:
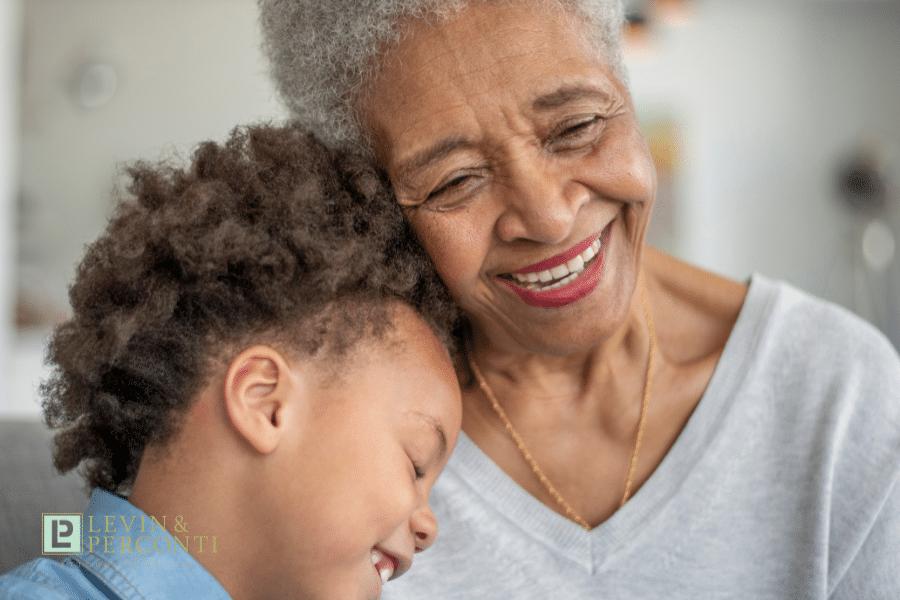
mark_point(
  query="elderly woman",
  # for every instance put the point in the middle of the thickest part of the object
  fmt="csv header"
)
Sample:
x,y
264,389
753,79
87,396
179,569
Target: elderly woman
x,y
634,427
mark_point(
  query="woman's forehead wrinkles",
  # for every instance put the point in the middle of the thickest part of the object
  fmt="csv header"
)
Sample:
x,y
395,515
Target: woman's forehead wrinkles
x,y
464,47
447,90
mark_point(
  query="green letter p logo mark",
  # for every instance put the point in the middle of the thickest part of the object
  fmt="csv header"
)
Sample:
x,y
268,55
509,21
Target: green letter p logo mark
x,y
61,533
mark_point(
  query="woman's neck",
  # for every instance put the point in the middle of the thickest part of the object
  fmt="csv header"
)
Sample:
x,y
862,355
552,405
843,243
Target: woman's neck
x,y
601,374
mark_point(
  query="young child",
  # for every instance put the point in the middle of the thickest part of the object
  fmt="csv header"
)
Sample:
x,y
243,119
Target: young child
x,y
256,380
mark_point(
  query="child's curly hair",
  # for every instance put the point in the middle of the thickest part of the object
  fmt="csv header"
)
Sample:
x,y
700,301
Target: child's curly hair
x,y
270,235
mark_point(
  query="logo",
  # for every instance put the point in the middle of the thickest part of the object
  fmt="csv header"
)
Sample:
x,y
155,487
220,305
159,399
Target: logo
x,y
61,533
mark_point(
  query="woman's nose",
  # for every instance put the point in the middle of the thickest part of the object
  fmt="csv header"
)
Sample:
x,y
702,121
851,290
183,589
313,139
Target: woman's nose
x,y
424,527
538,204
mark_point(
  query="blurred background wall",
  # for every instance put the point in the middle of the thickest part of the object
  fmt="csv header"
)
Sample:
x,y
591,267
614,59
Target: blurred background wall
x,y
765,117
10,80
787,119
99,83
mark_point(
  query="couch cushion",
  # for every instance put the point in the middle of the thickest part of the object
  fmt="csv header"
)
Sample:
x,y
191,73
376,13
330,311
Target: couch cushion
x,y
30,487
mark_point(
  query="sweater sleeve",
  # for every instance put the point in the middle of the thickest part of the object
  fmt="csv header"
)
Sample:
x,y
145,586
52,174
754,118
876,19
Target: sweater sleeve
x,y
874,573
866,514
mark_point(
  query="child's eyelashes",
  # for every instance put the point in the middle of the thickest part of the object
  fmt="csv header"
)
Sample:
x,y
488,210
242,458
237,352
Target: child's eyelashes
x,y
418,471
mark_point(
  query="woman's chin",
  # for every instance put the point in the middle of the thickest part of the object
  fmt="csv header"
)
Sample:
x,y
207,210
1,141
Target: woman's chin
x,y
577,327
568,319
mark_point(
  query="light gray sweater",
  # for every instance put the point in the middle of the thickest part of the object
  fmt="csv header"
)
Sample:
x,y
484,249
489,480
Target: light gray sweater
x,y
785,483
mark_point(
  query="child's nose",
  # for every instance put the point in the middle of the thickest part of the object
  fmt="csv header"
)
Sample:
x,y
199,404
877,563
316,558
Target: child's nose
x,y
425,527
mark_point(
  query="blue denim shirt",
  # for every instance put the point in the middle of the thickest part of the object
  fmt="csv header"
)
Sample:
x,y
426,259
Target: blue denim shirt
x,y
125,555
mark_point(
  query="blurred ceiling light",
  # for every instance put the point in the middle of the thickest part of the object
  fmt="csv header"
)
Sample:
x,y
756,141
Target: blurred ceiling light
x,y
879,245
863,177
95,84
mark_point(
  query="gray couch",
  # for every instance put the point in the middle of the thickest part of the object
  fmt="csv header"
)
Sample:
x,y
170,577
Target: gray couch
x,y
29,486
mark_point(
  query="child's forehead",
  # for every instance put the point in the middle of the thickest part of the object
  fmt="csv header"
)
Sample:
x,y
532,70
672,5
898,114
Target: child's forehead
x,y
403,367
412,338
405,378
406,355
406,335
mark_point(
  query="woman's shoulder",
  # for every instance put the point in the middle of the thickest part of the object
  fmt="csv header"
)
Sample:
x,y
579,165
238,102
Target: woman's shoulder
x,y
695,310
813,333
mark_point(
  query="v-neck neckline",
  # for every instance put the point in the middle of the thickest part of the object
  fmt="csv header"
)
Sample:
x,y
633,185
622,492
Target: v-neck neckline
x,y
594,547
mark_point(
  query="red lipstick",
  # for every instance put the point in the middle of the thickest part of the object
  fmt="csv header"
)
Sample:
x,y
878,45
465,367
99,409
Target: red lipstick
x,y
559,259
580,287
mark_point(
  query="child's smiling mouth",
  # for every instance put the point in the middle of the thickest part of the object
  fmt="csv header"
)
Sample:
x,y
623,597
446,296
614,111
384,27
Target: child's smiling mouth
x,y
384,563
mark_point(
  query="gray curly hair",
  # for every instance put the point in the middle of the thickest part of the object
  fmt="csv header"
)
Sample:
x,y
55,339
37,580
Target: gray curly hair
x,y
323,52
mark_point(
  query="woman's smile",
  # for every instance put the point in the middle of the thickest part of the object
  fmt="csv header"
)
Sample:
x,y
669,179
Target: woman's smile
x,y
561,279
556,267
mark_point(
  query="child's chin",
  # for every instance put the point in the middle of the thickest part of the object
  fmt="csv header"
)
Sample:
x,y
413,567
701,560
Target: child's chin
x,y
369,588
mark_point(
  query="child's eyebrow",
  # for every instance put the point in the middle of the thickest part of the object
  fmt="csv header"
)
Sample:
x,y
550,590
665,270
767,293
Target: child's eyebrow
x,y
438,430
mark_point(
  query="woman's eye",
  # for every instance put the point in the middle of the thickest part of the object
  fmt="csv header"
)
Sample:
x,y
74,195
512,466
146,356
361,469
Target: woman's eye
x,y
451,185
571,135
456,190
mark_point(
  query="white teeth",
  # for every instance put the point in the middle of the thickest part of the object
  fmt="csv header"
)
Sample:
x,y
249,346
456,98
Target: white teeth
x,y
591,251
575,265
559,271
387,570
567,271
564,281
385,573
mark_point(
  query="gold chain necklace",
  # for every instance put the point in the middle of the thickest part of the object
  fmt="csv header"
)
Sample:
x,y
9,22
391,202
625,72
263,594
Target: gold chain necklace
x,y
645,406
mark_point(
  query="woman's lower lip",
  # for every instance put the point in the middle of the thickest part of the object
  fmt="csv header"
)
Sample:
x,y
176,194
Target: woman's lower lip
x,y
583,285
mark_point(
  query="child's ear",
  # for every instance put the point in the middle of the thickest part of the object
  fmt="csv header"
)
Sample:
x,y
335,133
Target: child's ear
x,y
259,387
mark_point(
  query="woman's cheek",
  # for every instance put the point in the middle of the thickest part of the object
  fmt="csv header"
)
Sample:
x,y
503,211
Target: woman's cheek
x,y
453,242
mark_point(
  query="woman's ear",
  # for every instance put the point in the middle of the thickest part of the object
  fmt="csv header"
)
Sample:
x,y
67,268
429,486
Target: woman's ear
x,y
259,387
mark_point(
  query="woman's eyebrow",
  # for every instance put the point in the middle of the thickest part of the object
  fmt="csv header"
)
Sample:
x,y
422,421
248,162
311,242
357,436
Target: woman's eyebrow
x,y
431,154
568,94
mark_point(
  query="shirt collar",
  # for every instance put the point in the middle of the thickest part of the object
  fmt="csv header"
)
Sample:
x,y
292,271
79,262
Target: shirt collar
x,y
133,555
